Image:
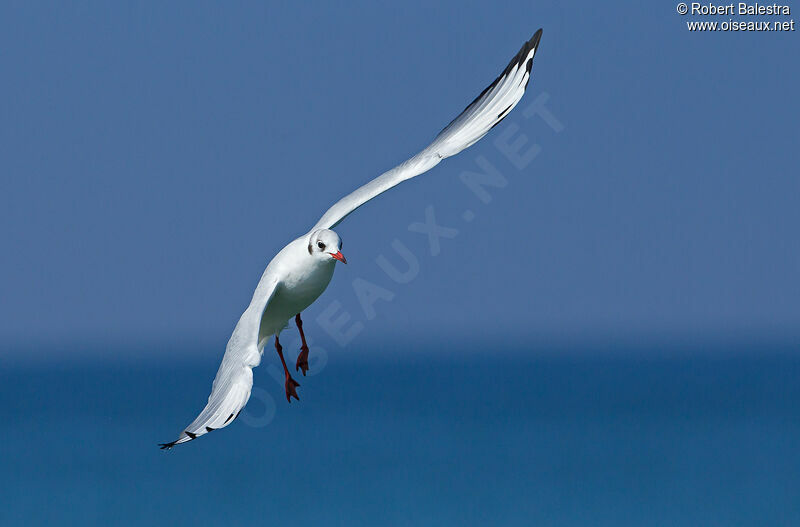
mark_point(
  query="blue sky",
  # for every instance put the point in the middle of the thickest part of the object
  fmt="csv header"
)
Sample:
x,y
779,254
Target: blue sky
x,y
154,160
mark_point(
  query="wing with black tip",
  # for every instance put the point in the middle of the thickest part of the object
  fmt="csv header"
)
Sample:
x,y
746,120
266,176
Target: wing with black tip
x,y
234,380
481,115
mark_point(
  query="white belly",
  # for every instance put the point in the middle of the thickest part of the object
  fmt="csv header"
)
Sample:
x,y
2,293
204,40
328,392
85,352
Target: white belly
x,y
300,287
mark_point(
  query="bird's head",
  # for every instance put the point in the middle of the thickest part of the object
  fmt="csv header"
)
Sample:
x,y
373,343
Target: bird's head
x,y
326,245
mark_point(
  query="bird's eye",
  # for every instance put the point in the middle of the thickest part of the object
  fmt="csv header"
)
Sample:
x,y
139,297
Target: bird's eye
x,y
321,245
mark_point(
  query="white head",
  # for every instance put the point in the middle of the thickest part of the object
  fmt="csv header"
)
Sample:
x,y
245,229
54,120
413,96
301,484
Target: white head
x,y
326,245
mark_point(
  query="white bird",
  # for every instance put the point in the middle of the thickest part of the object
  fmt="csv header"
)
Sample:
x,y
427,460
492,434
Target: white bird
x,y
301,271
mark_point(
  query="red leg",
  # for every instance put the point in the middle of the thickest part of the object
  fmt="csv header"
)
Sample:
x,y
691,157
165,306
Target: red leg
x,y
291,384
302,358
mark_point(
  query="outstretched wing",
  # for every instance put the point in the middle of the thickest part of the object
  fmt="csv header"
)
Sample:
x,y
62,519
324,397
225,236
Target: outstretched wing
x,y
234,380
485,112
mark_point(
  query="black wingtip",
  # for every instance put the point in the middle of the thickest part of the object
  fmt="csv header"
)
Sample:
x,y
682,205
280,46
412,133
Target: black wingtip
x,y
532,44
167,446
535,38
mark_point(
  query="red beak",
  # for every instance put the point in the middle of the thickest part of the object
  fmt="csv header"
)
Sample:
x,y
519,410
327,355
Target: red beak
x,y
339,256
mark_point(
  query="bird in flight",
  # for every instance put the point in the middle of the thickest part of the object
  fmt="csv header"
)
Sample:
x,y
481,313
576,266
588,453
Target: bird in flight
x,y
301,271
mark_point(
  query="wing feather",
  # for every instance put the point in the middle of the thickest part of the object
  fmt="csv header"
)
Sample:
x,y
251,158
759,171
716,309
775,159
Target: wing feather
x,y
234,381
481,115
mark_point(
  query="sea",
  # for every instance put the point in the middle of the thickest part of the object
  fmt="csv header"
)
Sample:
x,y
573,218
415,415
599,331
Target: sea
x,y
429,438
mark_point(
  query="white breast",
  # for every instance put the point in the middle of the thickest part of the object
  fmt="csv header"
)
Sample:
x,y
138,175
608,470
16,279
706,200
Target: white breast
x,y
303,279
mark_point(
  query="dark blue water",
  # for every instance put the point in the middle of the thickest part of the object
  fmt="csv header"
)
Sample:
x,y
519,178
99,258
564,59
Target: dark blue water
x,y
417,440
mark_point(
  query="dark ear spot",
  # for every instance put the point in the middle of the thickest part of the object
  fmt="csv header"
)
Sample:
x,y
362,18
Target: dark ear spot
x,y
309,249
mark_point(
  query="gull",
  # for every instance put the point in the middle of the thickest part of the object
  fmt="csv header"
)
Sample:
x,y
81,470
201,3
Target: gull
x,y
302,270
